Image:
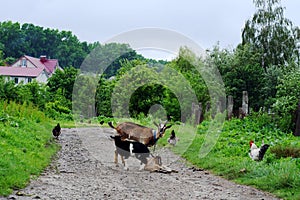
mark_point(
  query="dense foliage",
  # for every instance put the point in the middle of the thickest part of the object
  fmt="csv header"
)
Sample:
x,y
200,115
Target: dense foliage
x,y
143,84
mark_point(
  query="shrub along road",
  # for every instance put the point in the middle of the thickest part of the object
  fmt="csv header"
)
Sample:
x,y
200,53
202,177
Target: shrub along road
x,y
84,169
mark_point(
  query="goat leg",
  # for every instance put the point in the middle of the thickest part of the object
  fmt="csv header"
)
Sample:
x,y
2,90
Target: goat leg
x,y
142,166
123,161
116,158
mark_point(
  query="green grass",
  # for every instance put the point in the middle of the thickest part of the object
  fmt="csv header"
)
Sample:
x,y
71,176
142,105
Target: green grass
x,y
229,158
26,145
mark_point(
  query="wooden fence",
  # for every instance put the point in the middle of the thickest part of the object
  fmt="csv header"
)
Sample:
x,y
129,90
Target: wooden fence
x,y
242,112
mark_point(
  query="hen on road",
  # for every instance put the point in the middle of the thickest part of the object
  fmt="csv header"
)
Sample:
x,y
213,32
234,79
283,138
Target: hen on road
x,y
56,131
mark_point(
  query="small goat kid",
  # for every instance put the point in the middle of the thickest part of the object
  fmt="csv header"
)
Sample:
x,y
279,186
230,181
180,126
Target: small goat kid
x,y
129,148
142,134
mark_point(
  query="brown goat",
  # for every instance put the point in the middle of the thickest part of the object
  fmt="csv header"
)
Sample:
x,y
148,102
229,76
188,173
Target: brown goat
x,y
142,134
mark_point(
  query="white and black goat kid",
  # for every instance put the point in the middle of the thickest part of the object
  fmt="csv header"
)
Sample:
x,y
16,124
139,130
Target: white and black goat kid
x,y
129,148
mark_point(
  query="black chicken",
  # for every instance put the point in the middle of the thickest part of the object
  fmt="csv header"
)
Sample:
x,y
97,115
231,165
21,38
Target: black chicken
x,y
56,131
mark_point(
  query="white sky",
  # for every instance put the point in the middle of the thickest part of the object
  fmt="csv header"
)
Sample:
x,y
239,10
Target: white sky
x,y
204,21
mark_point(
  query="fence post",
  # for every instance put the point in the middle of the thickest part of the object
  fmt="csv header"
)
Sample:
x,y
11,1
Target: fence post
x,y
197,112
245,104
198,115
229,106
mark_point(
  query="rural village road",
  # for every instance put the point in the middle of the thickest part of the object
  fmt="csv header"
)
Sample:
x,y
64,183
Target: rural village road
x,y
84,169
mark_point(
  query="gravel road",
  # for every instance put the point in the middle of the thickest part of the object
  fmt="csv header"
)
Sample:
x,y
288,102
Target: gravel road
x,y
84,169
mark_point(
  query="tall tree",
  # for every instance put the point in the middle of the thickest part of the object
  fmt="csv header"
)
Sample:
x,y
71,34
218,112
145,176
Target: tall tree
x,y
12,38
17,40
271,34
63,80
35,40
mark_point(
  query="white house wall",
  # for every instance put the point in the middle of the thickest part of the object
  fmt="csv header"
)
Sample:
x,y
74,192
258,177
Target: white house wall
x,y
42,78
24,80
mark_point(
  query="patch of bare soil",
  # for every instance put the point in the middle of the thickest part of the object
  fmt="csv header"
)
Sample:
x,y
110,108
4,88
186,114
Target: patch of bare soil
x,y
84,169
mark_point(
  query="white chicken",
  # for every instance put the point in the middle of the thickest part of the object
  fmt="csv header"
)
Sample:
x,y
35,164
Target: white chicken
x,y
256,153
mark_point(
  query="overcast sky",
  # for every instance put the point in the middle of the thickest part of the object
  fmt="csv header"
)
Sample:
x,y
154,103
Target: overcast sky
x,y
204,21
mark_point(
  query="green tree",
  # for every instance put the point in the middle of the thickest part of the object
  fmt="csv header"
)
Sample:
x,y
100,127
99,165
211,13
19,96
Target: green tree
x,y
64,80
2,62
241,71
188,64
107,59
271,35
12,38
69,50
287,97
34,40
84,99
103,96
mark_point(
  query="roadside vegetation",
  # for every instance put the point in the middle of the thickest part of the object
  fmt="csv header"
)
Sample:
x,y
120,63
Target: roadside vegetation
x,y
26,145
277,173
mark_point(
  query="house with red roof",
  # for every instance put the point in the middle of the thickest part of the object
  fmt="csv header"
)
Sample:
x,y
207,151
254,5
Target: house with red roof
x,y
28,68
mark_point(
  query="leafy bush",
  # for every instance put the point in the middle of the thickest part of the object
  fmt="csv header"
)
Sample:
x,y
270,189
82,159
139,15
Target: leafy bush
x,y
55,110
286,151
287,97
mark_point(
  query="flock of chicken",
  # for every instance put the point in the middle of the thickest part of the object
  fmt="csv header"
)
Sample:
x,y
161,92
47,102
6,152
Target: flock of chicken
x,y
255,153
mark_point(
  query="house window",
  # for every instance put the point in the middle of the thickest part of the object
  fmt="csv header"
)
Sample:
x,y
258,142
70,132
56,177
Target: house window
x,y
16,80
23,62
29,80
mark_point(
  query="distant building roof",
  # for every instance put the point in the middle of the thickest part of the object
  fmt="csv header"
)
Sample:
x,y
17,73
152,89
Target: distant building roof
x,y
40,64
43,62
19,71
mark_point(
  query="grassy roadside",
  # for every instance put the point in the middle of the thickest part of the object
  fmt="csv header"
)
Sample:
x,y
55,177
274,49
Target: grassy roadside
x,y
26,145
278,173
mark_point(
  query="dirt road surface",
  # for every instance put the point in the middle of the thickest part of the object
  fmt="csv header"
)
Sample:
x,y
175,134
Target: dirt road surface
x,y
84,169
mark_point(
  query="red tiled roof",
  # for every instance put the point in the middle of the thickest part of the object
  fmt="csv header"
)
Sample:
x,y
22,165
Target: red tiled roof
x,y
48,65
35,61
20,71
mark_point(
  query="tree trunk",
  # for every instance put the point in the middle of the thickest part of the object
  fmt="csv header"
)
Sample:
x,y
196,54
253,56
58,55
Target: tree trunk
x,y
297,130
